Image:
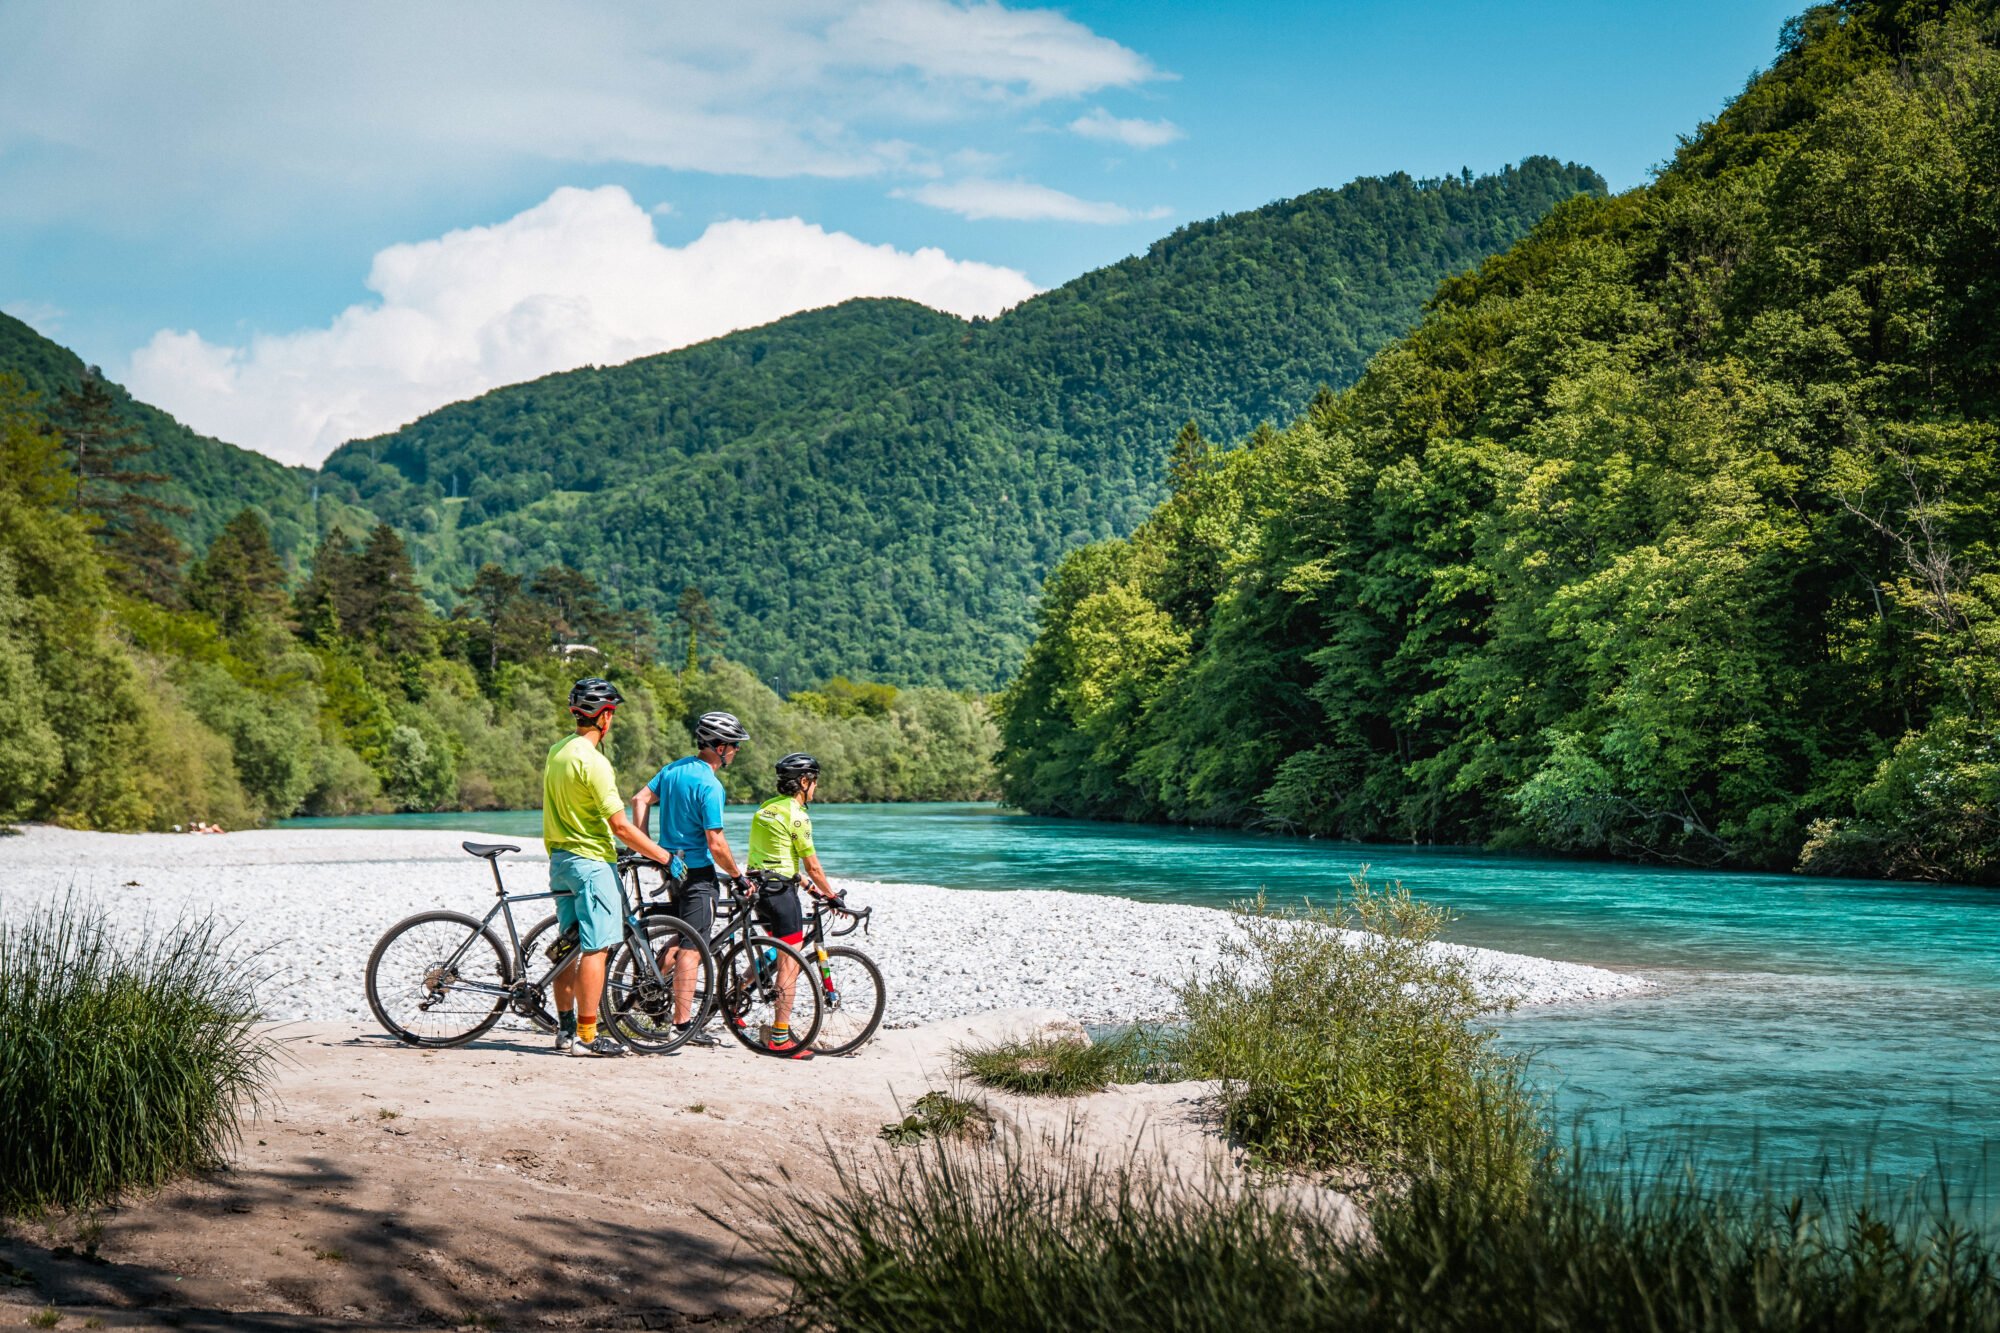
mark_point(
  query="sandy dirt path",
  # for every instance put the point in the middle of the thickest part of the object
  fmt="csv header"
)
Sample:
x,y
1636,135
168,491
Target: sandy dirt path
x,y
498,1185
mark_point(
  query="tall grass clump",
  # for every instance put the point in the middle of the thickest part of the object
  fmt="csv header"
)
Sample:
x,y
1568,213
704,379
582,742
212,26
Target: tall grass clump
x,y
1002,1239
121,1065
1344,1039
1636,1247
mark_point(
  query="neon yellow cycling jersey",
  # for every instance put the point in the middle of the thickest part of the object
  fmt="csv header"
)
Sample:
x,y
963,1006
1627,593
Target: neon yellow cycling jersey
x,y
781,836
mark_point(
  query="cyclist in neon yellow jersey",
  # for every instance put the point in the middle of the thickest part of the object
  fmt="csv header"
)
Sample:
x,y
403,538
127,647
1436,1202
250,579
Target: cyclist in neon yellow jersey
x,y
781,859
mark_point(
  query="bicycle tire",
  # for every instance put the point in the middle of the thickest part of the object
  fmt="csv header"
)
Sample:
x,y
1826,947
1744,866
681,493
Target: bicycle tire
x,y
634,1012
848,1021
429,987
745,994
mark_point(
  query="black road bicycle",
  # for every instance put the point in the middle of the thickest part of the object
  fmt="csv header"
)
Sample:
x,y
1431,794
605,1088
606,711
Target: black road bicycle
x,y
442,978
746,961
850,984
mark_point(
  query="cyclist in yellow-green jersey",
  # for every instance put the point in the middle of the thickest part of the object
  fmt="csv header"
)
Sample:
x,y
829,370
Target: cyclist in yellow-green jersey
x,y
781,859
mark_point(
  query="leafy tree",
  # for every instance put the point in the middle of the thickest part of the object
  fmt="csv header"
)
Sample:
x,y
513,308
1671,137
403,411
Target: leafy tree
x,y
1667,533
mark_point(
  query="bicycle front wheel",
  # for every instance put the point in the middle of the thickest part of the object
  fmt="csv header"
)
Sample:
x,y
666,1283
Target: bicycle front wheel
x,y
438,979
755,991
640,1000
852,993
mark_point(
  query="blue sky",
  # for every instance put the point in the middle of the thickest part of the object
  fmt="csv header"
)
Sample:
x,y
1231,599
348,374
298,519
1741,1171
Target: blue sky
x,y
291,224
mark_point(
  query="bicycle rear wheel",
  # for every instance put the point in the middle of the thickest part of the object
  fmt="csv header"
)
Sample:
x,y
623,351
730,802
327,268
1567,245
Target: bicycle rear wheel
x,y
438,979
534,952
638,1008
748,1002
853,995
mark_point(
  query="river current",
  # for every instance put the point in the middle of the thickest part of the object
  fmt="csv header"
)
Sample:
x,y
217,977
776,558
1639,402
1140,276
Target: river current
x,y
1793,1019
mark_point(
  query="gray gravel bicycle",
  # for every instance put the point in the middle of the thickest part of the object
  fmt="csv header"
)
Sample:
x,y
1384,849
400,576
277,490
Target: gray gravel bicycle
x,y
443,978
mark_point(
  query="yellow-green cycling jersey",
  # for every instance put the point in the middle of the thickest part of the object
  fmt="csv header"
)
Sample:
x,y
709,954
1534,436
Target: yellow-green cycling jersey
x,y
781,836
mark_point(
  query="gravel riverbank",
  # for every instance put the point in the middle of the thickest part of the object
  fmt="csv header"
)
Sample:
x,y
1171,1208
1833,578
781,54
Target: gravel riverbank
x,y
316,900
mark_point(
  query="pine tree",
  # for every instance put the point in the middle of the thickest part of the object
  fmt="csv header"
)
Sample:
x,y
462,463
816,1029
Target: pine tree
x,y
239,582
101,445
391,612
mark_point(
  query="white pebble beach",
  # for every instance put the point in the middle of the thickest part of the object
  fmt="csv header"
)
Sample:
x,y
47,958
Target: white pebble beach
x,y
314,901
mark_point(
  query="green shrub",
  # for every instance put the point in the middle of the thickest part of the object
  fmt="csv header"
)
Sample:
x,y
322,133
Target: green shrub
x,y
1343,1038
120,1066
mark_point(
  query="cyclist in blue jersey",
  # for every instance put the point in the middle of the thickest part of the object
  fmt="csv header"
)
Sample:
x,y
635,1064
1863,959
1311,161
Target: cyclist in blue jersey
x,y
689,794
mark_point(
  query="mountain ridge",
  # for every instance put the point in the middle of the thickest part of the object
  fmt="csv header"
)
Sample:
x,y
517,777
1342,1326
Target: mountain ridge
x,y
877,488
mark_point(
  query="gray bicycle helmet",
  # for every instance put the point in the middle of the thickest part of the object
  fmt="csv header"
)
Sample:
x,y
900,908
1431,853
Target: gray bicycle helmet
x,y
592,696
793,770
713,729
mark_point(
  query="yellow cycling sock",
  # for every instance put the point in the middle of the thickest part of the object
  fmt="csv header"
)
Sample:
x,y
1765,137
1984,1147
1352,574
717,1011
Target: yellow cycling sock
x,y
586,1031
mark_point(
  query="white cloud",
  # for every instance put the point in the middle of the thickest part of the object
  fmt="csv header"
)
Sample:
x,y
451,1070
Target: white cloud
x,y
578,279
108,108
1022,201
1101,124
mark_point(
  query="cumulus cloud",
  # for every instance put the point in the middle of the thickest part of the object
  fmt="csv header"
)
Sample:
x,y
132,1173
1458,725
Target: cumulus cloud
x,y
1101,124
1022,201
105,106
578,279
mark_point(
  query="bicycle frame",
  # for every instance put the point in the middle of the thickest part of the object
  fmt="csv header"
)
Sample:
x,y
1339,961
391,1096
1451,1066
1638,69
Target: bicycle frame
x,y
634,934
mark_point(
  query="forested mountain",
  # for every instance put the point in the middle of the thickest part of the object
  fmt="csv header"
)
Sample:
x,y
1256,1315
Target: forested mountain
x,y
1671,532
206,482
878,488
233,691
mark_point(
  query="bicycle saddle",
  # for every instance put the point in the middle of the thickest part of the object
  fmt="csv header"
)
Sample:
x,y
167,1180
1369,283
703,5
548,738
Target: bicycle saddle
x,y
489,850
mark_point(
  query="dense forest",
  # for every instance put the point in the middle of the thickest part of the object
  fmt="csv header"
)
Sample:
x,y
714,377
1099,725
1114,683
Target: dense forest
x,y
203,483
1668,533
138,691
878,488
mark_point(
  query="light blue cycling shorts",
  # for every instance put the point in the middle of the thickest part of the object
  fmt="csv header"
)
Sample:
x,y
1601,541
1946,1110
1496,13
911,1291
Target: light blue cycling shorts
x,y
592,901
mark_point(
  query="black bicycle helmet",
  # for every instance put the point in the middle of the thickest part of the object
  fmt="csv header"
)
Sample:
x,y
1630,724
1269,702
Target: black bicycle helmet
x,y
592,696
793,770
713,729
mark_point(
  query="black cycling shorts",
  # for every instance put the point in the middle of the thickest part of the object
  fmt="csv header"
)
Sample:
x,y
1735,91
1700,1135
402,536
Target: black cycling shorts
x,y
694,901
780,911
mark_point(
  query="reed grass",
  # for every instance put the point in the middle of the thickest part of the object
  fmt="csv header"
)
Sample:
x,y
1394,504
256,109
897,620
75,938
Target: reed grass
x,y
122,1065
1004,1240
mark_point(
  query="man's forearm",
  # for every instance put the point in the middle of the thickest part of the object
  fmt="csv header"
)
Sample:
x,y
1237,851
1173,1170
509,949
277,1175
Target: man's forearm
x,y
718,851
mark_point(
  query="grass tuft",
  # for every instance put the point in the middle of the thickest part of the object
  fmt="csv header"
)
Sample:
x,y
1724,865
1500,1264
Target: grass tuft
x,y
1041,1065
46,1317
121,1066
941,1116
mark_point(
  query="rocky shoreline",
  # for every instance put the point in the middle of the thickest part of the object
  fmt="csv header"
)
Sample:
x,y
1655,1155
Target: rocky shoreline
x,y
310,903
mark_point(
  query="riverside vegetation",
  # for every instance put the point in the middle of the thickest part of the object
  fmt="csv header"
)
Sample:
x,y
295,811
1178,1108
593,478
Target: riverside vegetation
x,y
138,692
1668,533
1362,1057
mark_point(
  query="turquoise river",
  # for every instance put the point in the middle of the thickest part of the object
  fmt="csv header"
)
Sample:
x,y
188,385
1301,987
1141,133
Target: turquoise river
x,y
1793,1019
